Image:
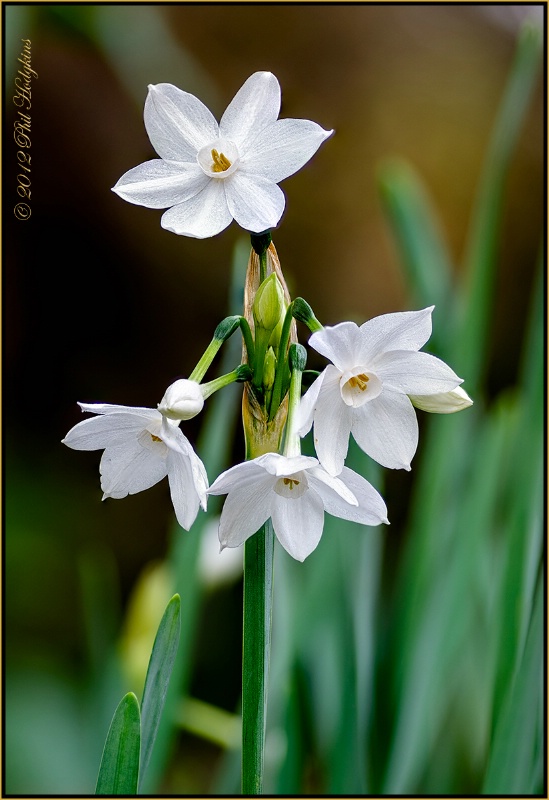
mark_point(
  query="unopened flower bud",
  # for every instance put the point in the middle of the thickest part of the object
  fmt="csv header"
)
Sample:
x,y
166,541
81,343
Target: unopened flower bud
x,y
298,357
269,369
226,328
269,306
182,400
302,311
443,403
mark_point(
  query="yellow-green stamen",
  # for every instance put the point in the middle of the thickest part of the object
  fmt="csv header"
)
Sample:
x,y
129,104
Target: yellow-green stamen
x,y
291,482
220,162
359,381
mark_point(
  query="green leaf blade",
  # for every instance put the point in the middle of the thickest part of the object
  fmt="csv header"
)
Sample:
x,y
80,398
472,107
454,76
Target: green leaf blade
x,y
158,677
418,235
119,770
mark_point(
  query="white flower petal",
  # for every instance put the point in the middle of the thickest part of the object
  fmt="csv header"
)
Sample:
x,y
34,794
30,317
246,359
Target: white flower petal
x,y
245,510
108,408
130,468
370,508
339,343
255,106
203,215
104,431
178,123
305,412
282,466
178,443
283,147
415,373
298,523
386,429
160,184
246,473
332,424
326,484
256,203
444,403
200,478
185,498
404,330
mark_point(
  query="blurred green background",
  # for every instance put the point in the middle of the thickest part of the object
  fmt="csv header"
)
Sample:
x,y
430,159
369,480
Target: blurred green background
x,y
404,661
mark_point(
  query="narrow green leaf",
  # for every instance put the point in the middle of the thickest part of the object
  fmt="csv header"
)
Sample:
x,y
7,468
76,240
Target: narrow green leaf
x,y
119,770
482,246
158,677
418,236
513,760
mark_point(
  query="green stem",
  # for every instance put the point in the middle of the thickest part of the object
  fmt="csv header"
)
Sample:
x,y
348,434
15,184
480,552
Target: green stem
x,y
281,365
224,330
261,343
241,373
248,340
298,360
262,267
258,590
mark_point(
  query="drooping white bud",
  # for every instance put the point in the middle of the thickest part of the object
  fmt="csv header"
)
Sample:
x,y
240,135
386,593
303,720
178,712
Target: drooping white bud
x,y
443,403
182,400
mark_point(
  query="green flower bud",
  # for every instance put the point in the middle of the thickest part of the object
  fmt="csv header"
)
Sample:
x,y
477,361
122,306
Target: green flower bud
x,y
269,306
226,328
298,357
302,311
274,341
269,369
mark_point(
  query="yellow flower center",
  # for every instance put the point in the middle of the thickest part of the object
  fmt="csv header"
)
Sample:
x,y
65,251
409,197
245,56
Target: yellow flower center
x,y
291,482
155,438
220,162
359,382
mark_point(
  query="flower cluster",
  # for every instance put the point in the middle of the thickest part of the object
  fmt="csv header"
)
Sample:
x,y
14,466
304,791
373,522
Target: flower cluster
x,y
207,175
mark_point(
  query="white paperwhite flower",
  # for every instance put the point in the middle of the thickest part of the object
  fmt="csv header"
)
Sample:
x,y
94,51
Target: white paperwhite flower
x,y
365,392
182,400
445,403
295,492
208,173
142,447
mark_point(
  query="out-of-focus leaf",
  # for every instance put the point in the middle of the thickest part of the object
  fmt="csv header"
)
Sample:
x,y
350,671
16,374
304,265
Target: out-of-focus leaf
x,y
417,234
158,677
514,768
442,613
119,771
481,251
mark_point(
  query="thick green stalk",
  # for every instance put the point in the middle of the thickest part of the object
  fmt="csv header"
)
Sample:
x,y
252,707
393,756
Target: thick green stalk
x,y
258,585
